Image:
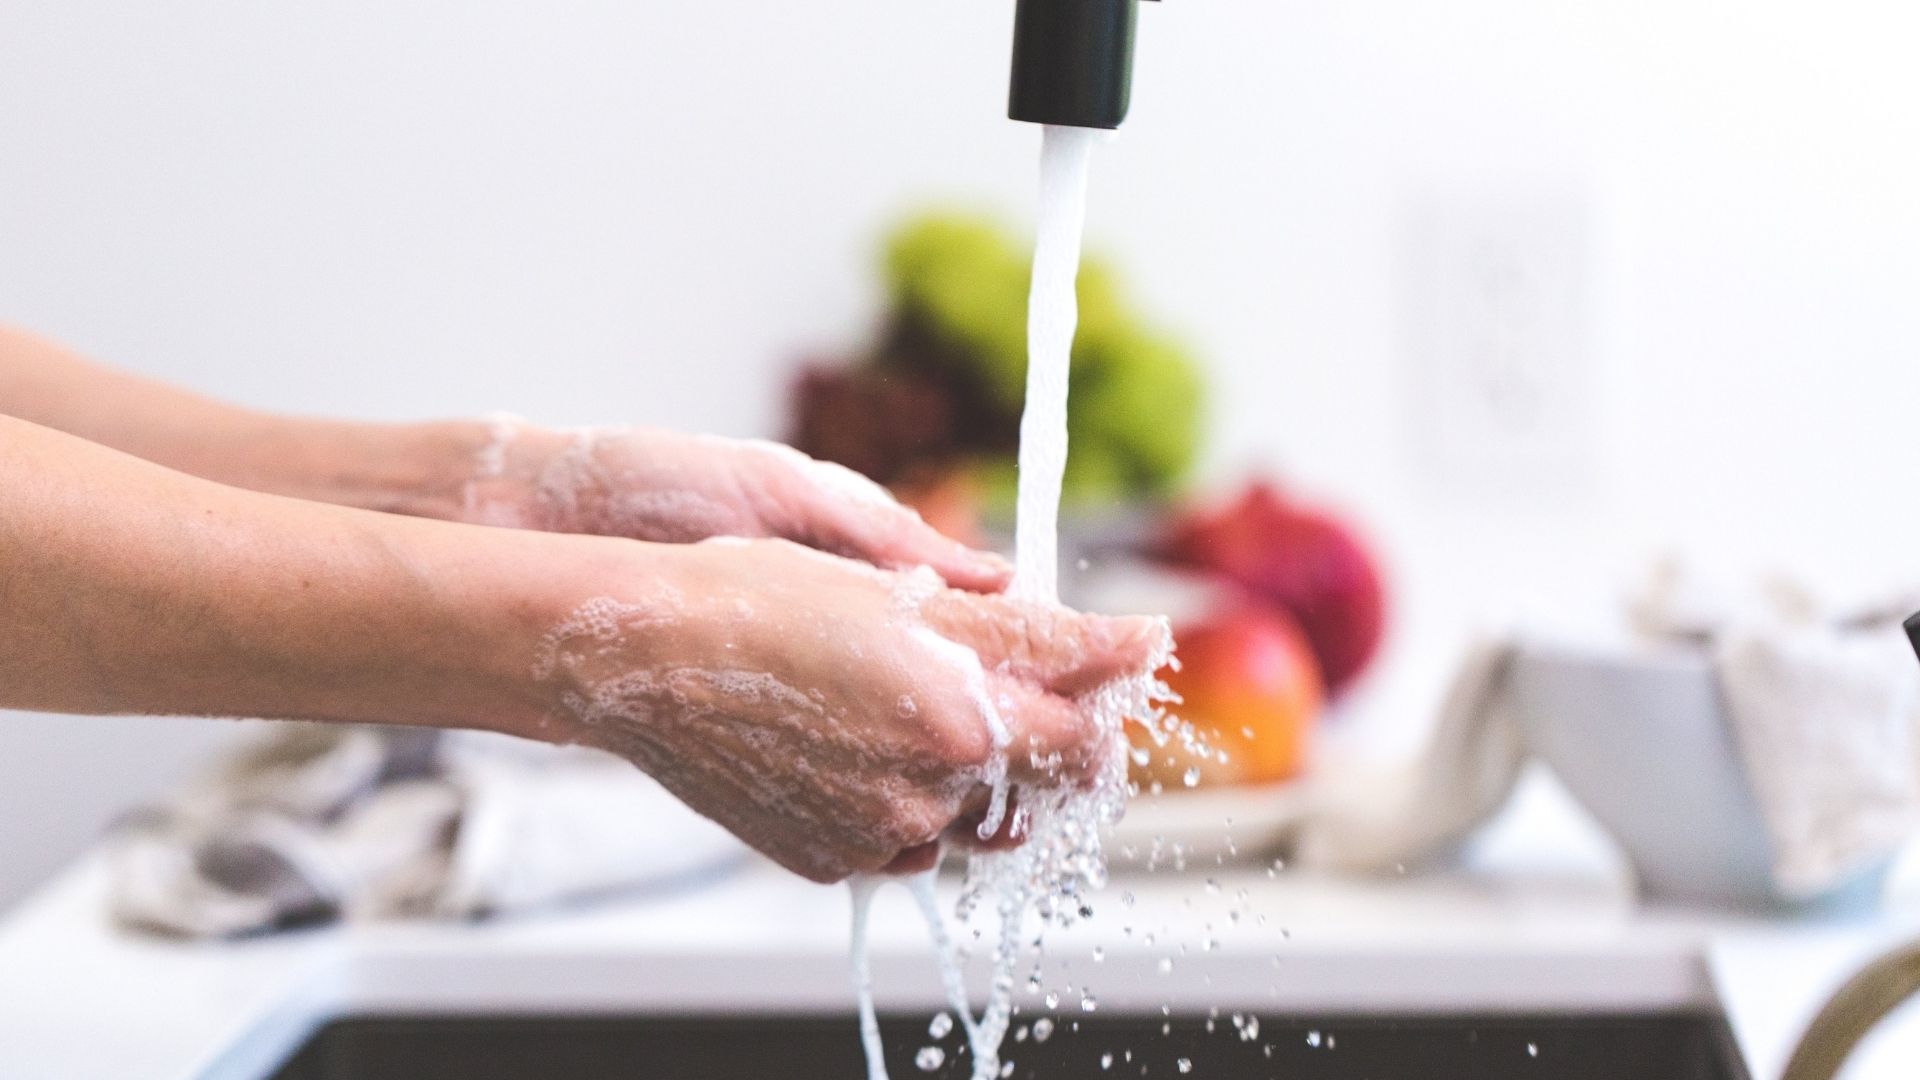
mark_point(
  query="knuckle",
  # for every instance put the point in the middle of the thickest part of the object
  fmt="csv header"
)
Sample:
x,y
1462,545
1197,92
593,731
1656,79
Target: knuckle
x,y
952,734
914,823
964,746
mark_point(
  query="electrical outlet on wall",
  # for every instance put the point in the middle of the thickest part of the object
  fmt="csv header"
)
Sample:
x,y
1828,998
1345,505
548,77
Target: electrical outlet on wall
x,y
1499,387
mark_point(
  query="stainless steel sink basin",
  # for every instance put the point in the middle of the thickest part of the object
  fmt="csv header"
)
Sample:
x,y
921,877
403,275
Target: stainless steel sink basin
x,y
1661,1046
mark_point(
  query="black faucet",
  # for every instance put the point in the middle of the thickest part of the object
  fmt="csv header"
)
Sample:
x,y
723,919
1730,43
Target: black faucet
x,y
1073,62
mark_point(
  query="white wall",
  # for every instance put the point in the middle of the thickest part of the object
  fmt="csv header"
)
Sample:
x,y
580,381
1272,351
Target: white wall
x,y
594,211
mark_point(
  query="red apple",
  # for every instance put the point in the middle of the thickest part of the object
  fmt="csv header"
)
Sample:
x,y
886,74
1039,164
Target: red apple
x,y
1250,688
1299,559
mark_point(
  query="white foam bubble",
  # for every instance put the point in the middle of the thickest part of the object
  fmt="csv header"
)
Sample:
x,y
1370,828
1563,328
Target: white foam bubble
x,y
601,620
502,429
996,773
913,589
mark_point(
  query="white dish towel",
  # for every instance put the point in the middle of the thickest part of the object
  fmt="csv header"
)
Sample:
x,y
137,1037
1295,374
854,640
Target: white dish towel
x,y
321,822
1824,700
1824,704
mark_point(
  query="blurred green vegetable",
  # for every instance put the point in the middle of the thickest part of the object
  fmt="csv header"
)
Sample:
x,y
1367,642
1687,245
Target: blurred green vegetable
x,y
958,290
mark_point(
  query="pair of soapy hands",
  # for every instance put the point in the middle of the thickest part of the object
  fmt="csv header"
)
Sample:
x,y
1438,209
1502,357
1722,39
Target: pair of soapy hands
x,y
837,684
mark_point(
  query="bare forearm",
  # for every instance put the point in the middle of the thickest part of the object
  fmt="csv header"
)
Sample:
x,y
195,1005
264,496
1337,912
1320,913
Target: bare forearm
x,y
126,587
418,469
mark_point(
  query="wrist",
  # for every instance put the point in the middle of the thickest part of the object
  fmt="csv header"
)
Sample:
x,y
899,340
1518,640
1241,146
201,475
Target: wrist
x,y
616,616
418,469
465,613
541,613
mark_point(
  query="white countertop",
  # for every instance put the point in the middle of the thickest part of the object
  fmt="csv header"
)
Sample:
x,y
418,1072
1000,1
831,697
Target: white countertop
x,y
1539,918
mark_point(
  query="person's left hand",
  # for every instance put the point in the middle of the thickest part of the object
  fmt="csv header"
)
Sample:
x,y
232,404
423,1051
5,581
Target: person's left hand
x,y
840,719
668,487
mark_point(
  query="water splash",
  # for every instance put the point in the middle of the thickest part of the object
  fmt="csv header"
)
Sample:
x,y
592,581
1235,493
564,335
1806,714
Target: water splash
x,y
1049,879
863,889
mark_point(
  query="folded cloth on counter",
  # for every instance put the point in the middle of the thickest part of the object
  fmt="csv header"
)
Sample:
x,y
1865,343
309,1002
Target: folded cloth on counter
x,y
322,822
1469,769
1823,702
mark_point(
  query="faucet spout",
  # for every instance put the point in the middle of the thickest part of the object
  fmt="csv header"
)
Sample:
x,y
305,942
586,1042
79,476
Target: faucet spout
x,y
1073,62
1855,1009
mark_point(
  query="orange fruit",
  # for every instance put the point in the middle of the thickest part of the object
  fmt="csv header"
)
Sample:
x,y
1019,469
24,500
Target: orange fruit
x,y
1251,689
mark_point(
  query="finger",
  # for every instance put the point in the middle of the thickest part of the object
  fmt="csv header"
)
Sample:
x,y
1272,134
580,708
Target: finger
x,y
1052,740
1014,824
914,860
1049,646
895,537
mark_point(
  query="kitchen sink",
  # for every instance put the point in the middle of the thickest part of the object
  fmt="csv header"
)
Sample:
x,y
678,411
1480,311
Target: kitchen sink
x,y
1654,1046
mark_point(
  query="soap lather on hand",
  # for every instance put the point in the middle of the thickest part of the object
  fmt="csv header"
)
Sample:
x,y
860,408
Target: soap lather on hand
x,y
839,708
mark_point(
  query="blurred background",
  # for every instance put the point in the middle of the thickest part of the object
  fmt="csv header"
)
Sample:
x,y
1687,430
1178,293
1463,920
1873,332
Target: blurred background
x,y
1522,294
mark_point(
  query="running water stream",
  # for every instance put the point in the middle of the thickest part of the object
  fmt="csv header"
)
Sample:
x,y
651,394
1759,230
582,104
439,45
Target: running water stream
x,y
1053,313
1045,880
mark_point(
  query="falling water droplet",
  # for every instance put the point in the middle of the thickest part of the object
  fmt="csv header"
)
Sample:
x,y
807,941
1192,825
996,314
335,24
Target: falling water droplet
x,y
1191,777
1185,1065
930,1058
1313,1038
1533,1049
1106,1062
941,1024
1042,1029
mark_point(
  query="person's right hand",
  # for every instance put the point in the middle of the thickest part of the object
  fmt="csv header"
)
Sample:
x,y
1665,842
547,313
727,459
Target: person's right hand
x,y
668,487
837,717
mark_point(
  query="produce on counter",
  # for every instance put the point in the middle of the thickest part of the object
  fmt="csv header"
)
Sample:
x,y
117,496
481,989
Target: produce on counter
x,y
1298,559
943,388
1250,688
932,409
